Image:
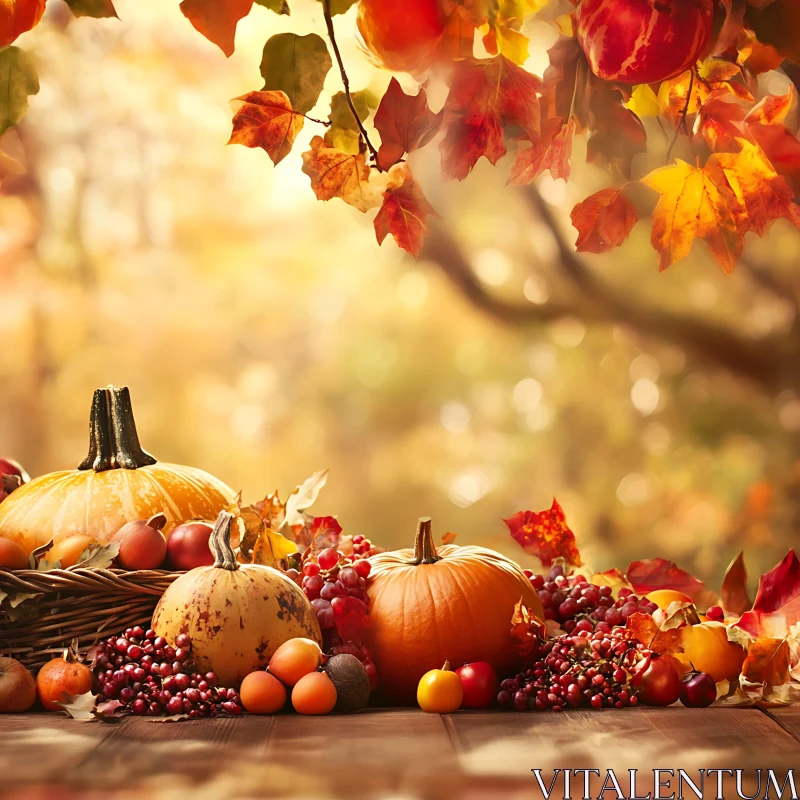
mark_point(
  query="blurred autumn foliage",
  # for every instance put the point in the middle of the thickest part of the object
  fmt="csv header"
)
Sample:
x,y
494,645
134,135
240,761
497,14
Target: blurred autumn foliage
x,y
265,336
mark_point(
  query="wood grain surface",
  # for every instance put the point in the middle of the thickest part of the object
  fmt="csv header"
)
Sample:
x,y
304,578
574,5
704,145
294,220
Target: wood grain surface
x,y
383,753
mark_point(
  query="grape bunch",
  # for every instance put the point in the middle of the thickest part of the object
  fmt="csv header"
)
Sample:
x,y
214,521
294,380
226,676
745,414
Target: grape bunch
x,y
150,677
590,668
569,599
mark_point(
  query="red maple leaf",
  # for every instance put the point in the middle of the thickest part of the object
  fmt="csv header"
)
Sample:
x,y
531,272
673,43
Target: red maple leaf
x,y
551,152
766,123
405,123
404,214
657,573
545,534
485,95
217,19
665,641
777,604
616,134
266,120
603,220
719,122
733,594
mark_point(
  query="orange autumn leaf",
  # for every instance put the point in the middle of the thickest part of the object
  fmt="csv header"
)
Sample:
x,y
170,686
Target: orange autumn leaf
x,y
664,641
767,662
266,120
18,16
769,124
485,95
693,206
733,595
552,151
527,630
545,534
335,173
719,123
217,19
404,214
603,220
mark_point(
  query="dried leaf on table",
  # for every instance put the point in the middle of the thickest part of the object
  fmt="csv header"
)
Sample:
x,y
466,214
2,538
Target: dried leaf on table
x,y
777,605
665,641
733,594
304,496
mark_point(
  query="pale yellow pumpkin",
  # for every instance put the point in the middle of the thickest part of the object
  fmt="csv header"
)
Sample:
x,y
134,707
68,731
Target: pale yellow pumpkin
x,y
237,615
116,483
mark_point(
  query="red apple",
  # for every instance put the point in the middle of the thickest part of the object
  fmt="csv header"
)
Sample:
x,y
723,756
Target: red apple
x,y
17,687
643,41
480,684
187,546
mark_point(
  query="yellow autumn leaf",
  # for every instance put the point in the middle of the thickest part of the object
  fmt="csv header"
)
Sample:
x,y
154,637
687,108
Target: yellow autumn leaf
x,y
693,206
644,101
565,25
511,43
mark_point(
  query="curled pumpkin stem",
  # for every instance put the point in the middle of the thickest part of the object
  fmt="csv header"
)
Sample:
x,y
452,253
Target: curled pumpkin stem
x,y
424,548
220,543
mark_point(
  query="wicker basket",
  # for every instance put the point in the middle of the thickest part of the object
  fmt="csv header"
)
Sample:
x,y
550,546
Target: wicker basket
x,y
44,611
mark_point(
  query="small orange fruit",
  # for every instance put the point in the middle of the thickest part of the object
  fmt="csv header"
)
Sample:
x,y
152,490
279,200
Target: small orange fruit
x,y
294,659
314,693
440,690
60,677
262,693
664,598
12,555
69,550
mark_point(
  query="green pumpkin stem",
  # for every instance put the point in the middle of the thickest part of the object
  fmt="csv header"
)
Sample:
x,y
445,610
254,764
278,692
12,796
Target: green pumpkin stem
x,y
424,548
113,440
220,542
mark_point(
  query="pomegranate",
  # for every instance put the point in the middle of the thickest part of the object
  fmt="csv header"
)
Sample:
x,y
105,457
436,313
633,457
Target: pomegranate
x,y
142,545
643,41
657,681
480,684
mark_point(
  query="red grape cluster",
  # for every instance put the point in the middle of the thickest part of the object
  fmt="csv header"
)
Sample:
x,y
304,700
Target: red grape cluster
x,y
362,548
583,668
570,599
150,677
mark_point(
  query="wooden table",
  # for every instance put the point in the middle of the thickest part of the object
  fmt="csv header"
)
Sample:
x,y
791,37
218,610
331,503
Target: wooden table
x,y
386,753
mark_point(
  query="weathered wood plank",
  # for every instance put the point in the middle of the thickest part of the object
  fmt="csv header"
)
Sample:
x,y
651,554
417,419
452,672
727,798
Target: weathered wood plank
x,y
788,718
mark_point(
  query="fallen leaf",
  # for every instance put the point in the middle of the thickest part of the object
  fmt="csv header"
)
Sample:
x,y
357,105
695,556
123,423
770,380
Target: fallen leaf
x,y
335,173
664,641
404,214
404,122
18,81
98,556
266,120
527,630
777,605
297,66
170,718
767,662
485,95
735,599
768,123
84,708
304,496
657,573
217,19
92,8
693,206
545,534
551,152
603,220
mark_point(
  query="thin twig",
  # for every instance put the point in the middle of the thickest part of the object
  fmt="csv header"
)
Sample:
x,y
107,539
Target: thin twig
x,y
327,123
326,7
682,123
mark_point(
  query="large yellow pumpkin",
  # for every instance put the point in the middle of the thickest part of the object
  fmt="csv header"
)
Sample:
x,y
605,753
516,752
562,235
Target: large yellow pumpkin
x,y
429,606
116,483
237,615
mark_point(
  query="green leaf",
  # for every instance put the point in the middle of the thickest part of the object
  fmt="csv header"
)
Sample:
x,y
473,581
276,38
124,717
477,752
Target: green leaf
x,y
18,80
779,25
343,133
340,6
278,6
92,8
296,65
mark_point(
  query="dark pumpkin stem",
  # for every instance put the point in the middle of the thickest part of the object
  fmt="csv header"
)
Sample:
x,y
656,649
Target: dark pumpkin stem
x,y
113,440
220,542
424,548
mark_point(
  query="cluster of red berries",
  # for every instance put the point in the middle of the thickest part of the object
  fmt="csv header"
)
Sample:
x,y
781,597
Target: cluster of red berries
x,y
151,677
584,668
569,599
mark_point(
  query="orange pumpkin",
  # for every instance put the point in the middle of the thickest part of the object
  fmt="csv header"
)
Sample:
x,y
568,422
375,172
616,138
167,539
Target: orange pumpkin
x,y
117,482
18,16
429,606
237,615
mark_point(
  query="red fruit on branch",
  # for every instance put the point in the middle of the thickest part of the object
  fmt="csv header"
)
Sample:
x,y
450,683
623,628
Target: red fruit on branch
x,y
403,36
643,41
